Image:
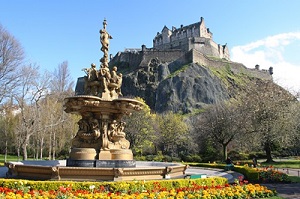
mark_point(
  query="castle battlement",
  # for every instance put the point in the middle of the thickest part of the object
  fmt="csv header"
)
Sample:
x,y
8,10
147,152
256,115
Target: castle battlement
x,y
193,36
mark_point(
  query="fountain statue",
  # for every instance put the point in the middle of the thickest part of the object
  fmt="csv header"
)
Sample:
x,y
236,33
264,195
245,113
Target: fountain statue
x,y
99,150
101,140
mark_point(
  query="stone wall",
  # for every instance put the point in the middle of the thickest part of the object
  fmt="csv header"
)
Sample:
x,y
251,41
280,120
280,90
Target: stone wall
x,y
201,59
144,57
136,59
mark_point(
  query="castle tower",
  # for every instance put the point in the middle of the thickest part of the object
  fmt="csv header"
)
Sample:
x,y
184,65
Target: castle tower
x,y
194,36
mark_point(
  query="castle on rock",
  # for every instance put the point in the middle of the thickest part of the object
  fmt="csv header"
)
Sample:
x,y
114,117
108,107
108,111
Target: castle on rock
x,y
194,36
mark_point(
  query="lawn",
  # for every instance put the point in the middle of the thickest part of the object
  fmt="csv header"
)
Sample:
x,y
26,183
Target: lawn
x,y
10,158
283,163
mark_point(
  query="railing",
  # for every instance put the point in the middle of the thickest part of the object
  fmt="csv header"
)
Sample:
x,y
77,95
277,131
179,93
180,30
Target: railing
x,y
289,171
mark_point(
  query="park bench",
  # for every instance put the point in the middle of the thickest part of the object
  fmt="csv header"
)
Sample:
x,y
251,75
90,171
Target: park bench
x,y
195,176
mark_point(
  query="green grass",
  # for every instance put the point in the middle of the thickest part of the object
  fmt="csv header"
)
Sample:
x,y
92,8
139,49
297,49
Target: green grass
x,y
10,158
294,179
278,163
180,70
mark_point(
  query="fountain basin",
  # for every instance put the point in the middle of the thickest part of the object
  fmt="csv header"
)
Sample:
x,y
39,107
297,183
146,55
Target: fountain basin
x,y
57,170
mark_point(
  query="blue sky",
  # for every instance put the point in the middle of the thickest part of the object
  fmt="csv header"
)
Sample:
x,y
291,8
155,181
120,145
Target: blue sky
x,y
264,32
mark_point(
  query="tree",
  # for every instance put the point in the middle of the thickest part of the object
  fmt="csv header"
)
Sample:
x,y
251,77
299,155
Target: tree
x,y
11,57
221,122
61,82
140,130
172,133
269,108
7,125
61,87
28,95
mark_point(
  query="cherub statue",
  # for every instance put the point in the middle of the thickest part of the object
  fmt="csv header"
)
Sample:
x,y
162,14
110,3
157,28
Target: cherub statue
x,y
92,84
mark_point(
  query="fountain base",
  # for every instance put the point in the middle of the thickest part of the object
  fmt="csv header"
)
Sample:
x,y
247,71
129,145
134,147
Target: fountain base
x,y
51,170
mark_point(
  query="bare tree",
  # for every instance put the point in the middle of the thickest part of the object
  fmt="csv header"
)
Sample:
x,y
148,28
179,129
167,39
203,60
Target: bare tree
x,y
61,87
62,83
11,56
31,91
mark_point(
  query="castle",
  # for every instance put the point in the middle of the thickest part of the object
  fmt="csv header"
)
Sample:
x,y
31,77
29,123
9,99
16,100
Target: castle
x,y
194,36
187,44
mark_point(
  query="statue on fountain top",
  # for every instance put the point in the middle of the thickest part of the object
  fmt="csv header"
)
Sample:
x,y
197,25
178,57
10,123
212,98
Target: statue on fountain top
x,y
102,83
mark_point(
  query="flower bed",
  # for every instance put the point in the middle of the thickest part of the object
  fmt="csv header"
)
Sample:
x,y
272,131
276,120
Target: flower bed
x,y
192,189
270,175
257,175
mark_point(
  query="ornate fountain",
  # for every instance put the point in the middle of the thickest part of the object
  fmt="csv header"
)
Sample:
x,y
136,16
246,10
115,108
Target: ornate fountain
x,y
99,150
100,140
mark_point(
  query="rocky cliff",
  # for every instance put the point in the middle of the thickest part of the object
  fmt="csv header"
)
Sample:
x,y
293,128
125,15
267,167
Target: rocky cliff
x,y
184,85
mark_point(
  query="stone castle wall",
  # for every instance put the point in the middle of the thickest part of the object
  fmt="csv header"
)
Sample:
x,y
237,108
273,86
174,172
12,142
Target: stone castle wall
x,y
201,59
143,58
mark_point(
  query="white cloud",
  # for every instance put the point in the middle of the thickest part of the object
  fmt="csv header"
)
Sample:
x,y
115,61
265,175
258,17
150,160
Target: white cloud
x,y
277,51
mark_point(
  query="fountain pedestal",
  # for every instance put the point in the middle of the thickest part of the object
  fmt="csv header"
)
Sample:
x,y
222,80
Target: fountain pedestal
x,y
100,140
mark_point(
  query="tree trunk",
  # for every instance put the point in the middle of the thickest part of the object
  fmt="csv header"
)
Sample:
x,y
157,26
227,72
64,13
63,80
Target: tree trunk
x,y
41,148
224,151
268,152
18,152
24,149
5,155
54,147
50,146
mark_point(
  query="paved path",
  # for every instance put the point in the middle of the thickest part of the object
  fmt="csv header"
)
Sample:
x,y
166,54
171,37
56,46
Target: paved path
x,y
230,175
289,191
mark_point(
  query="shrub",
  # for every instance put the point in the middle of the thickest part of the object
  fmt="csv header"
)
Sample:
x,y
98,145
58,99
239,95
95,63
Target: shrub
x,y
237,156
250,173
192,158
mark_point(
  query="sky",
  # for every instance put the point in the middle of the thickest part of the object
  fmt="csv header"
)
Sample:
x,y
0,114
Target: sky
x,y
263,32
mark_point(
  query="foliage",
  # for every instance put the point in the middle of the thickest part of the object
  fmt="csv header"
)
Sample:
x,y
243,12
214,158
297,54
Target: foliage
x,y
270,175
172,133
250,173
222,122
267,174
209,150
140,130
192,158
234,155
270,110
39,123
